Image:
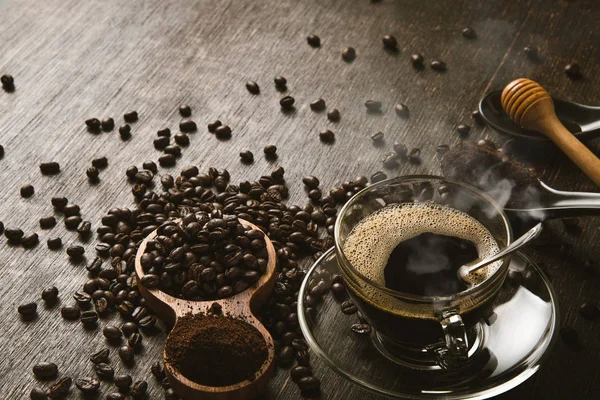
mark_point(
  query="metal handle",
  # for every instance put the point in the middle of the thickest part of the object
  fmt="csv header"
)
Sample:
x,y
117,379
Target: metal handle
x,y
455,351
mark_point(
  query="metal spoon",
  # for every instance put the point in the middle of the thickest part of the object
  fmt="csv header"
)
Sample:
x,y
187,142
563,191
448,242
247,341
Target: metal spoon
x,y
581,120
465,270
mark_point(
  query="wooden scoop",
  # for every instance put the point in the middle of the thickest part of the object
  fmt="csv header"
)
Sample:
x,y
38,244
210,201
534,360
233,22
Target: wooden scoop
x,y
242,305
531,107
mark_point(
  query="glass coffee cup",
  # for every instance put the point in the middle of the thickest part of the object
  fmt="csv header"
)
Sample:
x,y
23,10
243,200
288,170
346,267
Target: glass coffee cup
x,y
419,331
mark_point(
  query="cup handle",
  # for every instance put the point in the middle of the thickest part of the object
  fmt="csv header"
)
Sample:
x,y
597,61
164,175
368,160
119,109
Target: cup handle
x,y
455,351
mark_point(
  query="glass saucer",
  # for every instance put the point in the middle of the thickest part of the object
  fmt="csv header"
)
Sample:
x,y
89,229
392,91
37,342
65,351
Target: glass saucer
x,y
511,341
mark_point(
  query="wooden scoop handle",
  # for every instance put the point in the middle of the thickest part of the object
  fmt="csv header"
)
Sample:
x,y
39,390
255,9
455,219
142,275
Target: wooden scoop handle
x,y
531,107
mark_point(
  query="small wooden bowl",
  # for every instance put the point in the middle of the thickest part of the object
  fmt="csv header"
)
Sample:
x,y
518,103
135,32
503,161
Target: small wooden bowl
x,y
242,305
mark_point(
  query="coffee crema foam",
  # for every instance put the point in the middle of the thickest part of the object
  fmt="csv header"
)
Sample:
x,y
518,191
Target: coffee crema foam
x,y
372,240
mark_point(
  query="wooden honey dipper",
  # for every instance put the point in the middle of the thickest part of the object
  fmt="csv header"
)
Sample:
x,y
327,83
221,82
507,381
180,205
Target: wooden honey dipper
x,y
242,305
531,107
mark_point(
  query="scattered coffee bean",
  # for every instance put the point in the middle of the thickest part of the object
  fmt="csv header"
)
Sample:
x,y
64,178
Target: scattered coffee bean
x,y
100,356
135,341
378,177
187,126
390,42
92,174
309,383
123,382
125,132
112,333
476,115
437,65
573,71
415,156
417,60
31,240
373,106
100,162
311,182
89,318
348,307
8,82
327,136
349,54
531,52
315,194
223,132
378,138
38,393
252,87
590,310
300,372
150,166
138,390
167,160
463,130
104,371
401,110
50,295
47,222
71,210
107,124
14,235
131,116
287,103
59,202
182,139
280,82
313,41
75,251
87,385
270,151
60,388
93,125
161,142
1,151
50,168
333,115
469,33
247,156
129,328
318,105
185,111
127,354
401,150
27,310
70,312
71,223
361,329
45,370
212,127
171,395
173,149
27,191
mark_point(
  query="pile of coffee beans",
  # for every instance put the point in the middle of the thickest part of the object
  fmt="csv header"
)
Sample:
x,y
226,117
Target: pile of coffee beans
x,y
204,257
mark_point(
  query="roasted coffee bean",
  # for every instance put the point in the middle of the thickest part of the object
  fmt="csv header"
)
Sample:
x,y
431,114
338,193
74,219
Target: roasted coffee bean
x,y
463,130
59,202
82,298
71,210
147,322
313,41
318,105
247,156
45,370
150,166
361,329
167,160
89,318
104,371
116,396
311,182
417,60
129,328
38,394
469,33
157,370
138,390
84,228
349,54
171,395
348,307
573,71
390,42
333,115
415,156
27,191
150,281
47,222
401,110
280,82
339,291
531,52
60,388
223,132
93,124
270,150
187,126
8,82
252,87
569,336
125,132
70,312
108,124
27,310
212,127
87,385
287,103
378,177
100,162
75,251
327,136
14,235
182,139
123,382
50,168
285,356
373,106
378,138
50,295
185,111
100,356
112,333
309,383
29,241
126,353
303,358
315,194
300,372
135,341
438,65
590,310
131,116
476,115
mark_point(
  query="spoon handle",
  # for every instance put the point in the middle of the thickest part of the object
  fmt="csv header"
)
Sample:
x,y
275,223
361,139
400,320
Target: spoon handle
x,y
524,239
571,146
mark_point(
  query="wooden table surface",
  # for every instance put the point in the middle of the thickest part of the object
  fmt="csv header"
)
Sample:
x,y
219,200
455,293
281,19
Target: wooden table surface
x,y
74,59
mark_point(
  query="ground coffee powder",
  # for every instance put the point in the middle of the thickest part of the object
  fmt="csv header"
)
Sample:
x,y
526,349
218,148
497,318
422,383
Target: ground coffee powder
x,y
215,350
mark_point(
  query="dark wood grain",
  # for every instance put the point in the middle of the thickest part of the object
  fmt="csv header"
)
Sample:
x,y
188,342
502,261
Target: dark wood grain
x,y
76,59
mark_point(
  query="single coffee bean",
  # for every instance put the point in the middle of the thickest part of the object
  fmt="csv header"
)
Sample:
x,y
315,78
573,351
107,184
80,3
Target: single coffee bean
x,y
60,388
70,312
150,166
531,52
573,71
348,307
75,251
182,139
27,191
333,115
415,156
29,241
390,42
252,87
108,124
438,65
318,105
377,138
71,210
100,356
569,336
8,82
129,328
185,111
309,383
315,194
84,228
401,150
59,202
87,385
111,332
138,390
45,370
100,162
167,160
50,295
212,127
38,393
349,54
71,223
270,150
476,115
378,176
223,132
280,82
417,60
104,371
313,40
401,110
311,182
27,310
47,222
116,396
50,168
187,126
300,372
135,341
373,106
463,130
285,356
89,318
131,116
14,235
247,156
123,382
287,103
469,33
93,124
327,136
126,353
164,132
157,370
361,329
589,310
171,395
125,132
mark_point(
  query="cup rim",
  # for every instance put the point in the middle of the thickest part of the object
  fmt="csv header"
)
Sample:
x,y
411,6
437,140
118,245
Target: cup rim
x,y
400,179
